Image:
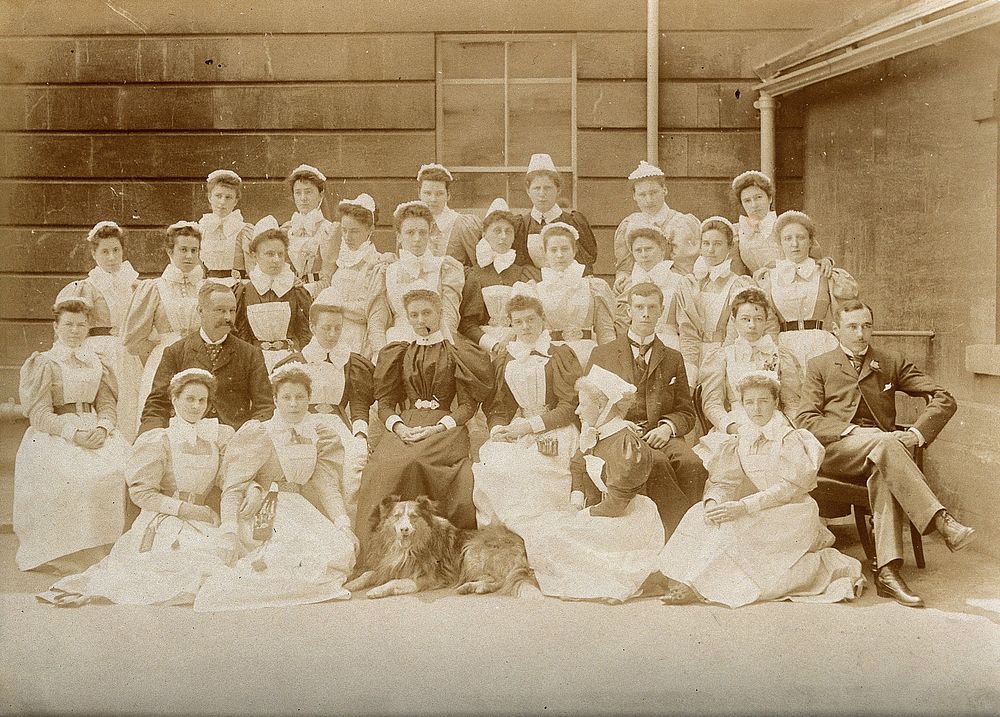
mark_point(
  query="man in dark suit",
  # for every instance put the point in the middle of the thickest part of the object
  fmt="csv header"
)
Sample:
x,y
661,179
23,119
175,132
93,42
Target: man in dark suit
x,y
848,402
243,391
663,408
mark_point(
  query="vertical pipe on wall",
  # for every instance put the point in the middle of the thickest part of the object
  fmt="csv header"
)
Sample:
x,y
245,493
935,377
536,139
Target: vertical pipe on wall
x,y
766,104
653,81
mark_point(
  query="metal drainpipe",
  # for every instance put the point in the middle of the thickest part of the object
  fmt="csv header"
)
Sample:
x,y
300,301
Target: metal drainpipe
x,y
766,105
653,82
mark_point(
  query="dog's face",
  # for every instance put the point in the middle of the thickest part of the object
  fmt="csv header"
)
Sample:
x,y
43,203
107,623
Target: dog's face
x,y
406,518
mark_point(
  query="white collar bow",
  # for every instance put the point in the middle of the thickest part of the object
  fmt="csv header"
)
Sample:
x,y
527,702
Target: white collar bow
x,y
774,430
520,351
486,255
176,276
62,352
348,257
719,271
659,274
188,433
788,270
745,350
307,223
571,274
229,224
281,284
414,266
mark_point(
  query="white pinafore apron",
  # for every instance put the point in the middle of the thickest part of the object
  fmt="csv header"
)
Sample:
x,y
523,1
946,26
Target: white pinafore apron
x,y
269,321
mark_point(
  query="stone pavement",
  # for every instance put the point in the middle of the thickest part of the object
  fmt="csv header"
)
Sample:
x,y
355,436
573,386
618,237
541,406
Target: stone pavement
x,y
446,654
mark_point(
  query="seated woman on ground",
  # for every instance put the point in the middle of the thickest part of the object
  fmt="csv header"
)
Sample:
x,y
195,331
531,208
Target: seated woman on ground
x,y
175,543
69,482
608,550
287,550
757,535
531,414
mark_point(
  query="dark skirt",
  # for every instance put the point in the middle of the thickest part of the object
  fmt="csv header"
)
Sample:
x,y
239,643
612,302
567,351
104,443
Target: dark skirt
x,y
438,467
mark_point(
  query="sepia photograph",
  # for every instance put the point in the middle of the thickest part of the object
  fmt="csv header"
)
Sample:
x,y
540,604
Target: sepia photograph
x,y
587,357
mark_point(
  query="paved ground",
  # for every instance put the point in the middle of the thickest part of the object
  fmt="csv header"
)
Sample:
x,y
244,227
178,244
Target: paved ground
x,y
446,654
440,653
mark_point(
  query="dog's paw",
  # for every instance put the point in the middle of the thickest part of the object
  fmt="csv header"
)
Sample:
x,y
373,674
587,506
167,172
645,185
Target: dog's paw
x,y
393,587
479,587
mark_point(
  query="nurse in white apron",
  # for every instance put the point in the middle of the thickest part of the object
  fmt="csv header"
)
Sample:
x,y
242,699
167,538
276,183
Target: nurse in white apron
x,y
108,288
175,543
272,308
416,268
225,237
289,550
532,423
165,310
69,480
359,278
579,310
651,252
312,245
704,299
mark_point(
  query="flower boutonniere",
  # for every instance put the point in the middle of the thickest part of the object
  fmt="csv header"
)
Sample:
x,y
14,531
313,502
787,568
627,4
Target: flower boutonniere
x,y
874,365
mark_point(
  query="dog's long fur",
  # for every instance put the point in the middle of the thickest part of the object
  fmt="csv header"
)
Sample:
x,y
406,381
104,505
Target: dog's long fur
x,y
427,557
494,560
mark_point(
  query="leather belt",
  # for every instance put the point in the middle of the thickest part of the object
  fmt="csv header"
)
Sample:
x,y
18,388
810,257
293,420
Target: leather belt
x,y
276,345
102,331
220,273
309,278
189,497
571,334
288,487
800,325
80,407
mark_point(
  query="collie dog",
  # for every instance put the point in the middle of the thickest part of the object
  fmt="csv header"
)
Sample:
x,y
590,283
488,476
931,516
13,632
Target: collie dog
x,y
412,549
494,561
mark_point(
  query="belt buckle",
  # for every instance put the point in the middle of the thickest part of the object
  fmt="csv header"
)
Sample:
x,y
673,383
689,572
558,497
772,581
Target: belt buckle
x,y
79,408
572,334
802,325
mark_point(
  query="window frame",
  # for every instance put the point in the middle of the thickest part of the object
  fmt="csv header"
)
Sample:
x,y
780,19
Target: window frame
x,y
506,38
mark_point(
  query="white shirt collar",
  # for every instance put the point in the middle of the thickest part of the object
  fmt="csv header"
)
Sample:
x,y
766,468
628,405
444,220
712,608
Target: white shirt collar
x,y
642,342
204,337
721,270
61,352
282,430
123,277
281,284
431,339
572,273
852,354
174,275
414,266
445,219
774,430
550,216
486,255
787,270
313,352
519,351
207,429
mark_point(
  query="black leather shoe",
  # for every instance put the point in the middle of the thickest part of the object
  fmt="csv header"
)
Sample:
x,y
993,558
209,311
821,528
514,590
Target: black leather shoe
x,y
889,583
956,536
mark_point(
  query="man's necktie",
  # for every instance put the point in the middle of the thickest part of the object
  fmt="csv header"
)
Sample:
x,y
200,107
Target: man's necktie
x,y
640,360
856,363
213,354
